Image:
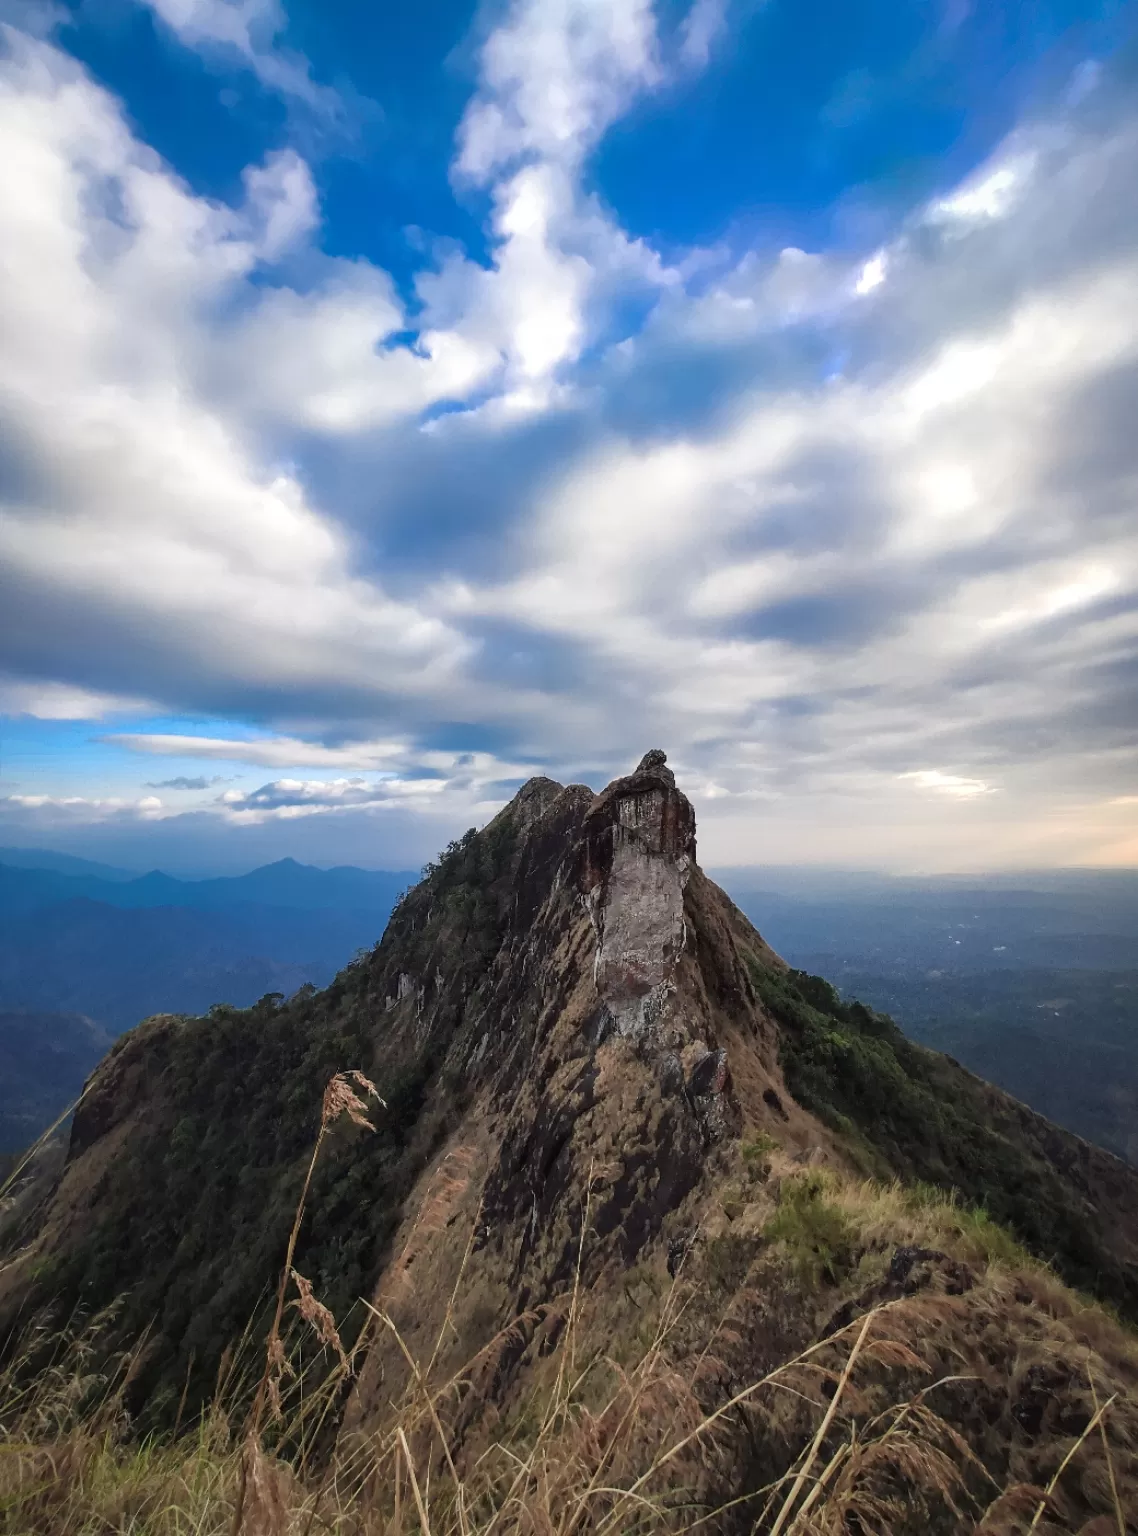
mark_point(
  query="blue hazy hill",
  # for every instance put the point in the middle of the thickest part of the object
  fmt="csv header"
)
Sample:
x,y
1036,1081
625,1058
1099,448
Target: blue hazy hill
x,y
87,950
30,888
62,863
116,949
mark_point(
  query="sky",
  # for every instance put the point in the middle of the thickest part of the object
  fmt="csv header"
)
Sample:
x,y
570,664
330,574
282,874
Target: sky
x,y
399,401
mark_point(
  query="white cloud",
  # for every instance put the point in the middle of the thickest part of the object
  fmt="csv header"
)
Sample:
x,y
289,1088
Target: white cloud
x,y
1073,585
552,78
181,782
61,701
404,770
951,784
273,752
38,18
85,808
147,497
281,197
872,275
245,32
317,360
290,799
701,29
802,541
990,193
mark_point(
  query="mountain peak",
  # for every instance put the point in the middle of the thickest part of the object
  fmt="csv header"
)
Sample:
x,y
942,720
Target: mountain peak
x,y
655,761
594,1067
637,853
530,803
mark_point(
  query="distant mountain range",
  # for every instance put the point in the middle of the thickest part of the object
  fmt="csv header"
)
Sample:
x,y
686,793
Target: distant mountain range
x,y
86,951
54,880
969,966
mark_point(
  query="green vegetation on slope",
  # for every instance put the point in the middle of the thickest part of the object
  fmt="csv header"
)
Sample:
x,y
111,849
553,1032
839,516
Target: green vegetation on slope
x,y
905,1109
1063,1041
193,1215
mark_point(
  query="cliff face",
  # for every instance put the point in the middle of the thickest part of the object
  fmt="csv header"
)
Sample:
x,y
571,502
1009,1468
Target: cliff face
x,y
578,1037
596,1049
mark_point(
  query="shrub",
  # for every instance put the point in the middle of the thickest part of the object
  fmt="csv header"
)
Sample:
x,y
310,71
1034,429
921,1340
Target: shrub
x,y
819,1240
727,1258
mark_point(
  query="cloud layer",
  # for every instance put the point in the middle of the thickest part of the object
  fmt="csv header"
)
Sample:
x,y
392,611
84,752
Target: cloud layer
x,y
854,535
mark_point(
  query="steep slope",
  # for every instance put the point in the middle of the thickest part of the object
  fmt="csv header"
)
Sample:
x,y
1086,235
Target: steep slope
x,y
45,1059
596,1074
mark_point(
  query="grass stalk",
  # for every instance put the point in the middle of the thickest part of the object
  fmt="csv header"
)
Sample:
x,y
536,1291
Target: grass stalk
x,y
339,1098
827,1420
1119,1518
42,1139
1066,1462
418,1497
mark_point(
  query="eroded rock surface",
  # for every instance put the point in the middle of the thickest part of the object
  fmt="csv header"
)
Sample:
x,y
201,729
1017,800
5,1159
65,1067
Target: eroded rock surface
x,y
639,848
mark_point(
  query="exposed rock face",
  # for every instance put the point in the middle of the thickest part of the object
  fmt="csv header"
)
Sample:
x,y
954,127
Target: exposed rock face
x,y
639,848
622,1069
572,1026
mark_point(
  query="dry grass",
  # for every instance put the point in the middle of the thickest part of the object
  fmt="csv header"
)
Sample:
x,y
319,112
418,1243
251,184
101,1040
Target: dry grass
x,y
254,1477
852,1434
644,1457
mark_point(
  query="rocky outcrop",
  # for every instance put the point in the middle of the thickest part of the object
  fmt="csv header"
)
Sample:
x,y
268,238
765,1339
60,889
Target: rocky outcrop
x,y
638,848
573,1029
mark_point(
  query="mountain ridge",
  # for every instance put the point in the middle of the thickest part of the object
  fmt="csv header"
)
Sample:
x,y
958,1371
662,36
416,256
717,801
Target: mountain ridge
x,y
62,863
595,1071
284,883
